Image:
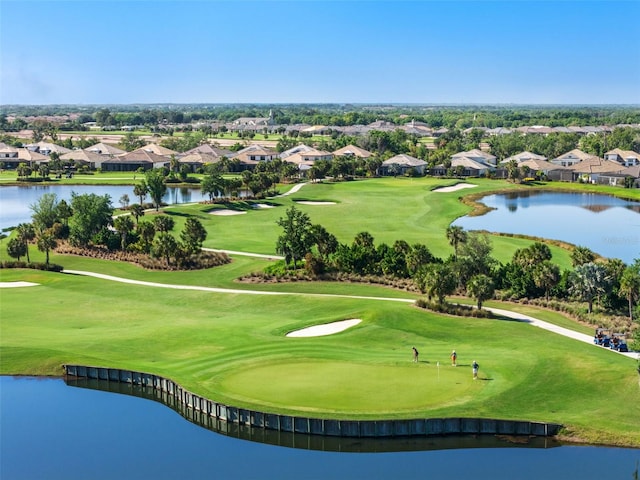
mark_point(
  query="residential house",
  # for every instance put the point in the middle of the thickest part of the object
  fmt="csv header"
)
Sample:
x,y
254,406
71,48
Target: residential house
x,y
254,153
571,158
523,157
46,148
592,168
401,164
536,166
352,151
11,157
132,161
477,156
419,129
305,153
105,149
316,130
31,158
255,121
628,158
382,125
158,150
464,166
198,160
85,157
210,150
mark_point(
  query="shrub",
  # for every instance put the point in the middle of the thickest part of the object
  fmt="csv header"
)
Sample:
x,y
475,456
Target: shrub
x,y
453,309
51,267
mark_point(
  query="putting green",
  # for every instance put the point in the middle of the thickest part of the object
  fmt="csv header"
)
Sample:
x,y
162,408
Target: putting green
x,y
351,387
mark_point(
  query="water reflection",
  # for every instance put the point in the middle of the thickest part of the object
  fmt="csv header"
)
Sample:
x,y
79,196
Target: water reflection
x,y
15,200
314,442
48,430
609,226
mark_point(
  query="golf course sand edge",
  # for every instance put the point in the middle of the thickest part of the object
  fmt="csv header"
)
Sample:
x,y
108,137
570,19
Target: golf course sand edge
x,y
325,329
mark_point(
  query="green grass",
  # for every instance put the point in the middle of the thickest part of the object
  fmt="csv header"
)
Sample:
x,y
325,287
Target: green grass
x,y
389,208
232,348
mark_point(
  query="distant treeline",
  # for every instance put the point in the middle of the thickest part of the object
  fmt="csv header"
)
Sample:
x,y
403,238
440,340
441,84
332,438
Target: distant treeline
x,y
436,116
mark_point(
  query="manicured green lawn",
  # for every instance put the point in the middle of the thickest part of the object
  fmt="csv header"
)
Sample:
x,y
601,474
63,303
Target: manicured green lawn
x,y
232,348
389,208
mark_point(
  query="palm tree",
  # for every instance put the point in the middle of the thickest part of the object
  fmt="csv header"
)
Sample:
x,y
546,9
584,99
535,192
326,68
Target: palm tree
x,y
137,211
146,231
456,236
630,285
512,170
588,282
481,288
581,255
156,186
546,275
46,243
163,223
16,248
165,246
23,170
26,233
213,185
124,226
141,190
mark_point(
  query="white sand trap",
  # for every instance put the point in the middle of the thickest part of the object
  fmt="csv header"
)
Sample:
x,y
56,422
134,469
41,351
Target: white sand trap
x,y
305,202
263,205
326,329
226,212
455,188
17,284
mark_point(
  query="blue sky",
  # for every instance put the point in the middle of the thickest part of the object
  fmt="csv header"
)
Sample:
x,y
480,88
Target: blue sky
x,y
543,52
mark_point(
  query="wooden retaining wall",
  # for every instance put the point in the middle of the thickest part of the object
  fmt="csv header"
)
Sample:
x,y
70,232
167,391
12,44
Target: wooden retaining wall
x,y
223,417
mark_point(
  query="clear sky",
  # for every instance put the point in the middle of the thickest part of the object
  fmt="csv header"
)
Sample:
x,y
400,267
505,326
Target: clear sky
x,y
164,51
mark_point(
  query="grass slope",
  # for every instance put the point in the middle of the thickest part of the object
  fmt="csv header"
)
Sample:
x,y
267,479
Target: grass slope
x,y
232,348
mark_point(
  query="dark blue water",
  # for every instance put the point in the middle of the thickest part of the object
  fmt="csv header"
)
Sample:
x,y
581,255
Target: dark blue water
x,y
607,225
15,200
49,430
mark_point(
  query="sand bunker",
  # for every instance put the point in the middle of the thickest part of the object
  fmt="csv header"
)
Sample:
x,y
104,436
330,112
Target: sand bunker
x,y
326,329
263,205
226,212
17,284
305,202
454,188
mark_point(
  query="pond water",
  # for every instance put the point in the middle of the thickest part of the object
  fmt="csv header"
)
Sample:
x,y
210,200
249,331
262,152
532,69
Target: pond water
x,y
15,200
607,225
51,430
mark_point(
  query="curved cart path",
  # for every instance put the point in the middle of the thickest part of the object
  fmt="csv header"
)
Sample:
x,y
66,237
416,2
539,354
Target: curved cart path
x,y
582,337
507,313
294,189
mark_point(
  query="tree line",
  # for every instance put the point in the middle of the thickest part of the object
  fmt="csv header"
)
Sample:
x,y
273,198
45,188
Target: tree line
x,y
470,270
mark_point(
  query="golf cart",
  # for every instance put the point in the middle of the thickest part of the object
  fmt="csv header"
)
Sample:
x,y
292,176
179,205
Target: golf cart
x,y
619,343
602,337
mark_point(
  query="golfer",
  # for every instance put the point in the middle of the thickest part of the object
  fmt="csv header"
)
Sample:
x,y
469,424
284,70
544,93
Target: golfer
x,y
415,354
454,357
474,368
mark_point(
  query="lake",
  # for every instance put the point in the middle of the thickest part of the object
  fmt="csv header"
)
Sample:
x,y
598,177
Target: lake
x,y
54,431
607,225
15,200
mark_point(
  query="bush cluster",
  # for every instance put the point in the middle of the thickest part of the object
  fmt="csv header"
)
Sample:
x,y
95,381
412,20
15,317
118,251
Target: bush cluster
x,y
204,259
51,267
454,309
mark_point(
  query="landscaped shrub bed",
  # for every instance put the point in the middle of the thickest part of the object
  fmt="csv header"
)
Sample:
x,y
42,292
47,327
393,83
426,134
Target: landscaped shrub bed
x,y
453,309
51,267
204,259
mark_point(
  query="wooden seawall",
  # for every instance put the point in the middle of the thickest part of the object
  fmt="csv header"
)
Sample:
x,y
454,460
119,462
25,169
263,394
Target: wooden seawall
x,y
210,413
